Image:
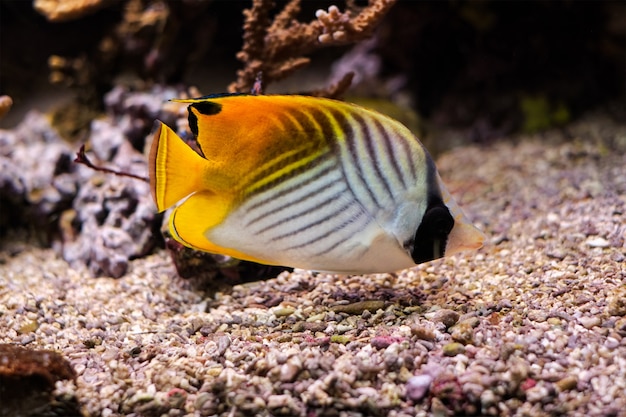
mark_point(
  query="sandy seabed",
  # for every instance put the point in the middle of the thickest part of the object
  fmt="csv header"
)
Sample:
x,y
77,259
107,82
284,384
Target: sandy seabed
x,y
533,324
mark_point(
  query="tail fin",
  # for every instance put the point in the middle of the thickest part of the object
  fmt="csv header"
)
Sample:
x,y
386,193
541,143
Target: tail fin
x,y
175,169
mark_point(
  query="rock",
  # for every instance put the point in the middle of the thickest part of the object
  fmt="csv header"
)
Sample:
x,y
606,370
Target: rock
x,y
617,305
445,316
359,307
567,383
37,178
106,138
590,322
382,342
620,326
598,242
463,332
28,377
290,370
453,349
105,220
117,222
417,387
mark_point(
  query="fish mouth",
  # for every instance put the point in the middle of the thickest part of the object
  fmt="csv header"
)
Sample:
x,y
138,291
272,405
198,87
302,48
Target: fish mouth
x,y
464,236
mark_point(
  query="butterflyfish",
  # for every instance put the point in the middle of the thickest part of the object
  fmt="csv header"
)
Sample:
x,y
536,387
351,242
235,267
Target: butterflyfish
x,y
305,182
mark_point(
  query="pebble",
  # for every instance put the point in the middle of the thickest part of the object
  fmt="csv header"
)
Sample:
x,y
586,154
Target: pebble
x,y
567,383
359,307
487,398
617,304
417,386
620,326
290,370
280,401
453,349
423,333
598,242
536,393
463,332
283,311
590,322
445,316
382,342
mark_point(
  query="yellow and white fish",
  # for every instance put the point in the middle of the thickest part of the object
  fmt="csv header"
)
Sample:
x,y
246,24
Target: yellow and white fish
x,y
305,182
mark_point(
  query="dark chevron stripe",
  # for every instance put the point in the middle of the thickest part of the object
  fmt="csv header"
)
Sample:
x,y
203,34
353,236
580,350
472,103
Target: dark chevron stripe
x,y
280,163
307,210
343,239
334,230
374,158
271,197
291,174
295,120
350,140
315,223
392,157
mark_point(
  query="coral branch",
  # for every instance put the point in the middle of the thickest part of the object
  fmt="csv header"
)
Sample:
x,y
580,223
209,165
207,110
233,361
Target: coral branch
x,y
337,89
277,48
81,158
64,10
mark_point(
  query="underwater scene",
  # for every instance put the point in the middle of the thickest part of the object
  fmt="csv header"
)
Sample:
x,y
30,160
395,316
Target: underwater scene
x,y
312,208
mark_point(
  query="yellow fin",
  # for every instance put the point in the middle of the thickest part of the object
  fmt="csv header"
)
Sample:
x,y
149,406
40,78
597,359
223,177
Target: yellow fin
x,y
190,223
176,170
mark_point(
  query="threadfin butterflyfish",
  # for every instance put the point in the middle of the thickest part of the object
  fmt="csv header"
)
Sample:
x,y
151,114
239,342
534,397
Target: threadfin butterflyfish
x,y
305,182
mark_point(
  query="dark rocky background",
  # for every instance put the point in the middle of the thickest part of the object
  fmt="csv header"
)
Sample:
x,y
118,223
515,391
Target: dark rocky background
x,y
493,66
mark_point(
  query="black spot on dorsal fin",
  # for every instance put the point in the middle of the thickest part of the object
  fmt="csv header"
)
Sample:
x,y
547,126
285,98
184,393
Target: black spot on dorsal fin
x,y
206,108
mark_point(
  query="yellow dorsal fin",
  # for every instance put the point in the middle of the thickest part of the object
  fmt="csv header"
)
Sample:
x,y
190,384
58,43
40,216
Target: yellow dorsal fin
x,y
176,171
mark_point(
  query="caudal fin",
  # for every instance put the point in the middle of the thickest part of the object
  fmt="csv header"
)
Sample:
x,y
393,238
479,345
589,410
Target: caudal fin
x,y
175,169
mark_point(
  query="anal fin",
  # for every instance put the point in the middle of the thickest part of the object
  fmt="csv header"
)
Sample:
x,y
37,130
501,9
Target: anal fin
x,y
192,221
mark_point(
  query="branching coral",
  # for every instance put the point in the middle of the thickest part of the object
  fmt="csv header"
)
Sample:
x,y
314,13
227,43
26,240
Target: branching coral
x,y
277,48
